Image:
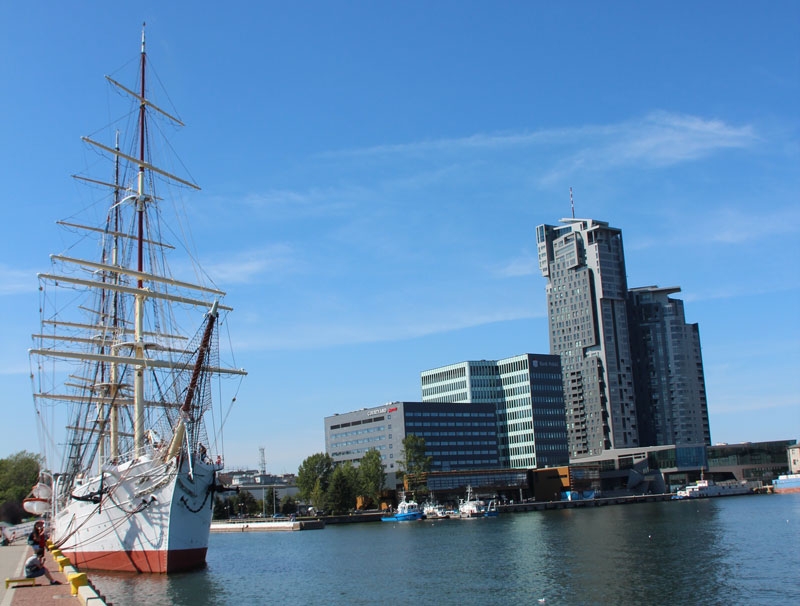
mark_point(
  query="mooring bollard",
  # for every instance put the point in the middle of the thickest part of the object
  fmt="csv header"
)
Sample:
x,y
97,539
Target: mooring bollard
x,y
76,580
62,561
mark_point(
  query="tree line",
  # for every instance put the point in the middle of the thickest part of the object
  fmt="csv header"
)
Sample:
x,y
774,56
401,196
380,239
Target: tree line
x,y
18,474
337,488
322,484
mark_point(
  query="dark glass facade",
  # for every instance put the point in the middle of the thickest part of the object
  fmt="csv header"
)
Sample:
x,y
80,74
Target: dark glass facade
x,y
755,453
457,436
501,479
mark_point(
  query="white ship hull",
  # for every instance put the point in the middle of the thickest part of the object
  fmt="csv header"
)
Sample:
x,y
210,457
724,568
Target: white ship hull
x,y
151,518
786,483
703,489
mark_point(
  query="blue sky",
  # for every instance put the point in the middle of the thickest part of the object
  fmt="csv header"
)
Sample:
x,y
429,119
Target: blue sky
x,y
373,174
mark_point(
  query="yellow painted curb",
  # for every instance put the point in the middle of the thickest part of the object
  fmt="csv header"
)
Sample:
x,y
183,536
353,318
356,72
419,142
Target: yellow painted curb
x,y
76,580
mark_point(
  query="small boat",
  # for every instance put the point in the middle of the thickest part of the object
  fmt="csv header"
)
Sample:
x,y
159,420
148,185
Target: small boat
x,y
708,488
471,507
38,501
785,483
433,510
407,511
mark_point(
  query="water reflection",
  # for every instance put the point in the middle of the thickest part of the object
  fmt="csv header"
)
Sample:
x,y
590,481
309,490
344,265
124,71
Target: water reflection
x,y
720,551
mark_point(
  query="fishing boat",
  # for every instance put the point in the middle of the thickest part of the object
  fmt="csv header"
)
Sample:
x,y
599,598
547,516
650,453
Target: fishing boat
x,y
126,361
471,506
407,511
433,510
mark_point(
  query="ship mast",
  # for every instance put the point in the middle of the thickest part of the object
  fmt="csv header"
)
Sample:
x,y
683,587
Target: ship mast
x,y
109,384
118,279
138,384
112,379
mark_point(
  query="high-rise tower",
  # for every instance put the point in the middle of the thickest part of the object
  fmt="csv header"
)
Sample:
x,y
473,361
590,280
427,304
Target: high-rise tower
x,y
584,263
669,377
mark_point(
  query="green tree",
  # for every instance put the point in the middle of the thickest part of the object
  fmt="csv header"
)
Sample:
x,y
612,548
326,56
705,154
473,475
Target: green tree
x,y
220,511
413,462
343,488
371,476
319,497
314,475
269,501
240,504
18,474
246,504
288,505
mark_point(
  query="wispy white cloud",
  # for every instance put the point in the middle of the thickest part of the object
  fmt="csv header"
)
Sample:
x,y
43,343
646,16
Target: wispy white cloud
x,y
734,403
390,327
734,226
314,201
662,139
478,141
375,190
524,265
659,138
16,281
370,178
12,367
253,265
738,290
737,222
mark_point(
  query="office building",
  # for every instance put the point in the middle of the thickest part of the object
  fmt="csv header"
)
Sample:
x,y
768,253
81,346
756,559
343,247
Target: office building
x,y
526,393
584,263
457,436
668,370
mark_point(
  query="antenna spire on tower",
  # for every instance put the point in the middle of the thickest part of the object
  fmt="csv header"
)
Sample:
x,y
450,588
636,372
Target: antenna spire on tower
x,y
571,203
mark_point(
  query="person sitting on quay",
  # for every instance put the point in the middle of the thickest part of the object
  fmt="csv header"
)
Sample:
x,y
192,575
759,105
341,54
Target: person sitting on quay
x,y
34,567
37,539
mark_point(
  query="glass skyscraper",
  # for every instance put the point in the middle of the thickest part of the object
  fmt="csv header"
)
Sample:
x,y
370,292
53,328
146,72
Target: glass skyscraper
x,y
632,367
584,263
526,392
669,377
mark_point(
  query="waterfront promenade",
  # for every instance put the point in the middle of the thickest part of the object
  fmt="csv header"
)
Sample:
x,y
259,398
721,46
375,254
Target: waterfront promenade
x,y
12,559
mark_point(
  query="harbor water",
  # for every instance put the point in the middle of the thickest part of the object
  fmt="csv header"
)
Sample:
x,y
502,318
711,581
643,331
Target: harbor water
x,y
732,550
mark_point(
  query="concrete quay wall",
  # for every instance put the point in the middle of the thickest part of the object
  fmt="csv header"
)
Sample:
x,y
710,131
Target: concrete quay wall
x,y
597,502
256,525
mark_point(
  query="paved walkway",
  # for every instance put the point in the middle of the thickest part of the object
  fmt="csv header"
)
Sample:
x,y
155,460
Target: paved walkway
x,y
12,560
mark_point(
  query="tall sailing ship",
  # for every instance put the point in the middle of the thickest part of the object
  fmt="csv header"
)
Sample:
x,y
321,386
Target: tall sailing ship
x,y
135,490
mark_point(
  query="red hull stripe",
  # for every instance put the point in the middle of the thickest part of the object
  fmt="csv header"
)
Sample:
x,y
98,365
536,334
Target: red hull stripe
x,y
139,561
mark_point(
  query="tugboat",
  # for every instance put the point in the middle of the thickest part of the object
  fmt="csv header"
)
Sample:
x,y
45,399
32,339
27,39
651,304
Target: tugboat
x,y
407,511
